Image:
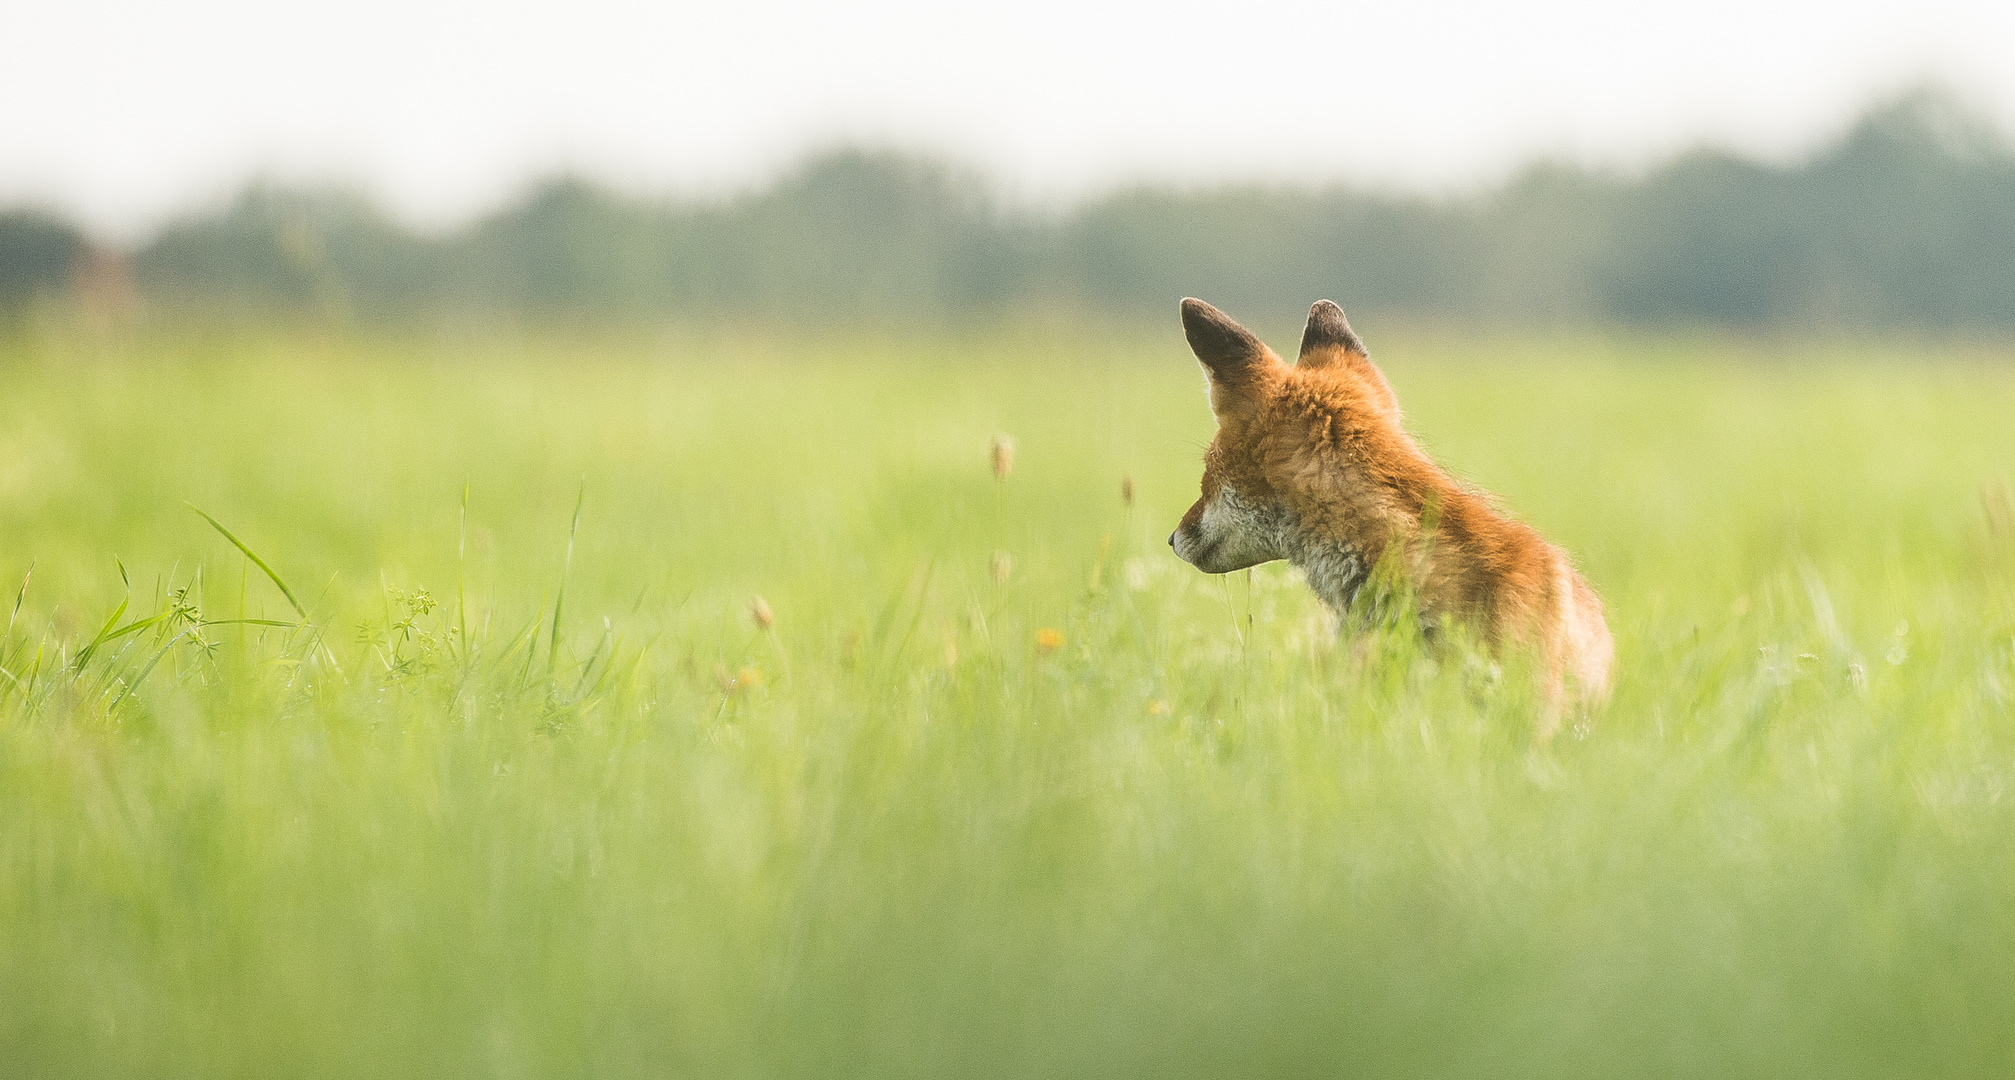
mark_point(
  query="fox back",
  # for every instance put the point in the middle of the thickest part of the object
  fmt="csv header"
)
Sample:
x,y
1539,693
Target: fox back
x,y
1311,464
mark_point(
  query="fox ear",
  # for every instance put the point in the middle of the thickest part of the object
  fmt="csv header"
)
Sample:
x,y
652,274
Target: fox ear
x,y
1329,342
1329,339
1228,351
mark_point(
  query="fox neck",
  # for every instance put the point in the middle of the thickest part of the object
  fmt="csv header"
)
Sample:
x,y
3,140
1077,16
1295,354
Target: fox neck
x,y
1335,569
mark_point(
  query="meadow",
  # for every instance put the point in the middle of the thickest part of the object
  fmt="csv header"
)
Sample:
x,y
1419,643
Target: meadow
x,y
470,751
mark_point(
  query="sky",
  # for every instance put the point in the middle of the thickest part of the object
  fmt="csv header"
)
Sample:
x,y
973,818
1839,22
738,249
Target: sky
x,y
126,112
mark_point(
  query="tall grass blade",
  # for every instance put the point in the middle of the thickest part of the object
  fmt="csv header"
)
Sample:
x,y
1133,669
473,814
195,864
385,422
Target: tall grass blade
x,y
553,651
20,596
127,690
531,630
256,560
916,619
137,624
244,588
462,576
104,634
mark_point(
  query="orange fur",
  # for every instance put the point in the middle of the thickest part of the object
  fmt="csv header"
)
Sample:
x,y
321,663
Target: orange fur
x,y
1311,462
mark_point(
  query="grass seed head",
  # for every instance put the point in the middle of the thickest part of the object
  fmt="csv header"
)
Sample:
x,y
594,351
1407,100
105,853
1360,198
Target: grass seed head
x,y
759,610
1003,456
1126,488
1002,567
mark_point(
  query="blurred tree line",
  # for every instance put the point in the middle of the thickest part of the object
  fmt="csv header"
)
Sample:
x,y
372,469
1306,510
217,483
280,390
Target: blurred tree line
x,y
1905,221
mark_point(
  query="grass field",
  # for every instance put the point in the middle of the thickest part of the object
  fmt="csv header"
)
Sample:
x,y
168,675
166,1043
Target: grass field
x,y
523,789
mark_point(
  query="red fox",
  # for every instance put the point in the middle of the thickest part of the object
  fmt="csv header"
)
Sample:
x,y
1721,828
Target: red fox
x,y
1310,464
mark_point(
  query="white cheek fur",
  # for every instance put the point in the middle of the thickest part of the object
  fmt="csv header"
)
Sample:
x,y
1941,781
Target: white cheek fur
x,y
1234,533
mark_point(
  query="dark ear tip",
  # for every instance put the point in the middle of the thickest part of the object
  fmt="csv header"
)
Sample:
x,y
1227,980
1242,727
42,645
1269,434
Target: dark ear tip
x,y
1221,343
1327,326
1199,318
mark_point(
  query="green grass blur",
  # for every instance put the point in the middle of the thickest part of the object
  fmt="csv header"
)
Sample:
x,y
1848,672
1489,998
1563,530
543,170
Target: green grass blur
x,y
526,797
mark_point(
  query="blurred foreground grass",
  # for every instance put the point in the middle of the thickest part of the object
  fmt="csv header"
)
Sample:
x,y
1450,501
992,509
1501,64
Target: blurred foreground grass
x,y
529,799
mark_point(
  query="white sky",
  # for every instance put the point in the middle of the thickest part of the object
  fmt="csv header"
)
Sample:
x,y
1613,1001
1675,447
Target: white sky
x,y
126,111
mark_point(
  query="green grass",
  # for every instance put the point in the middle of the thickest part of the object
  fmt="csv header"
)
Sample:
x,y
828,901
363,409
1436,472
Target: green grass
x,y
532,795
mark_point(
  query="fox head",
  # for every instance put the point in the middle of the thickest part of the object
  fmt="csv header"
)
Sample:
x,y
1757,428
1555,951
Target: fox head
x,y
1277,474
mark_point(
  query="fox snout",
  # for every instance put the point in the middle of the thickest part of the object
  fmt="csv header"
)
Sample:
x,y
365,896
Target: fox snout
x,y
1186,540
1189,524
1223,532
